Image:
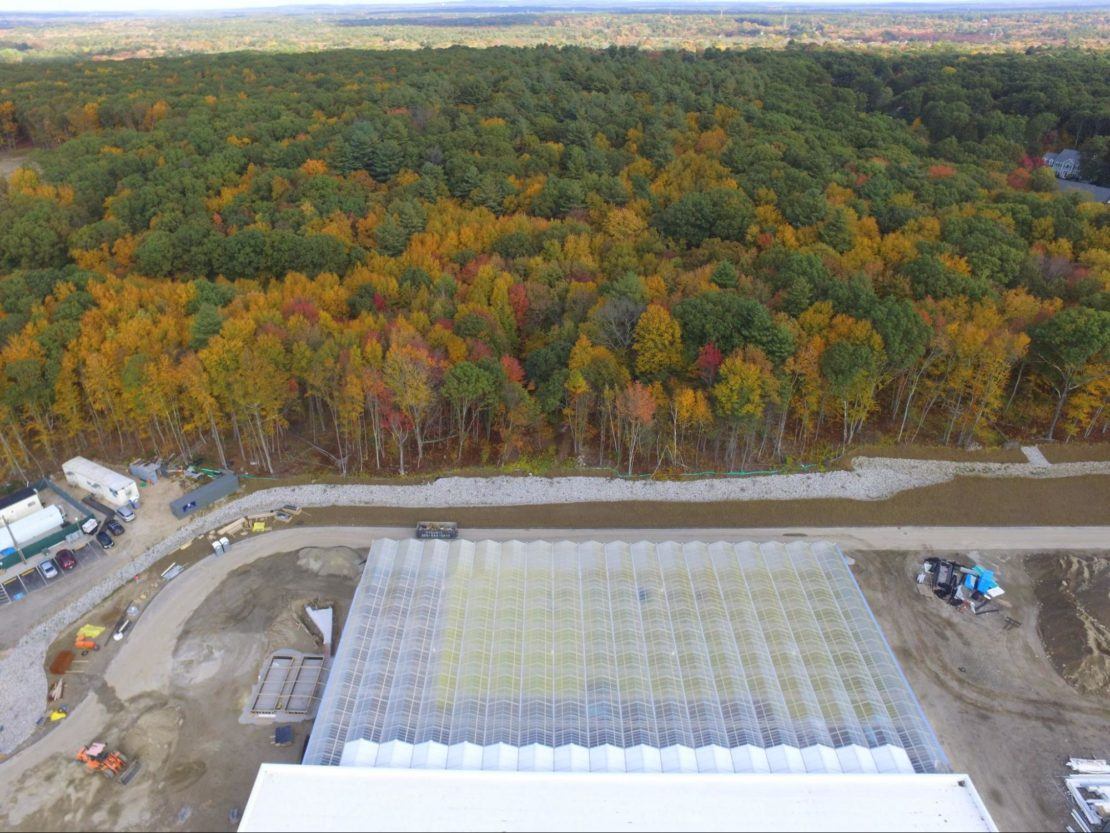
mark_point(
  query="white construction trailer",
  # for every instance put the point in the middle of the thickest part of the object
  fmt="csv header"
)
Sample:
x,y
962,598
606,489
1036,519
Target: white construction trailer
x,y
113,487
19,504
26,530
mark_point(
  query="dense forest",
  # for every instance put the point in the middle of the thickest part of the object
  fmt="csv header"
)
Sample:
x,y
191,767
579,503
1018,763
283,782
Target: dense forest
x,y
659,262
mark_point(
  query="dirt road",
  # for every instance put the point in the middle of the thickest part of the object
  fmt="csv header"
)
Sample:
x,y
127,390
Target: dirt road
x,y
1017,538
181,716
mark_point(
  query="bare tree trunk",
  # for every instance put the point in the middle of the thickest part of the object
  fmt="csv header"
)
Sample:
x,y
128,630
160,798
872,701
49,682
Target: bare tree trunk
x,y
216,438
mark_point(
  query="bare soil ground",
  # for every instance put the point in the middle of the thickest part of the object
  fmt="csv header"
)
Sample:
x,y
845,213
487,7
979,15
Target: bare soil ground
x,y
939,452
12,159
1074,625
965,501
1075,452
198,760
1002,712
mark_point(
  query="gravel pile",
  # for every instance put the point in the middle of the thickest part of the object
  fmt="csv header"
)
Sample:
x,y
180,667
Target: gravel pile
x,y
22,678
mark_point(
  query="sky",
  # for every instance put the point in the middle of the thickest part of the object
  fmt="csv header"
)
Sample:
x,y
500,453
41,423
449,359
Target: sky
x,y
50,6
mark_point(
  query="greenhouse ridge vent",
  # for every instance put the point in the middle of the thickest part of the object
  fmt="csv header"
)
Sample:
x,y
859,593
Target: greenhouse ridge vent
x,y
541,671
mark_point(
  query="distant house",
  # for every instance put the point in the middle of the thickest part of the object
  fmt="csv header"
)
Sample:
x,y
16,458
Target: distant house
x,y
1064,164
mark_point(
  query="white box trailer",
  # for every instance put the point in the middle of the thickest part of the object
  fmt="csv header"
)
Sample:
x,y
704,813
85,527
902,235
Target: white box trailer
x,y
26,530
115,488
19,504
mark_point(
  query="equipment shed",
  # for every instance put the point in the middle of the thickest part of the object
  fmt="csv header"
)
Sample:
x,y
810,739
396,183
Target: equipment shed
x,y
148,470
224,485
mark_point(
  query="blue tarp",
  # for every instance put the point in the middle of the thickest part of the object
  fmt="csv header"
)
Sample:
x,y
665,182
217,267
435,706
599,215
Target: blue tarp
x,y
980,579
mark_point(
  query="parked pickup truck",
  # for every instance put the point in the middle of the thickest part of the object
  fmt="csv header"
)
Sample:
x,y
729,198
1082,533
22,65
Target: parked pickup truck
x,y
437,529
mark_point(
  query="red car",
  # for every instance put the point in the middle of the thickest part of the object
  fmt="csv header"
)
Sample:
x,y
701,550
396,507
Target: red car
x,y
66,559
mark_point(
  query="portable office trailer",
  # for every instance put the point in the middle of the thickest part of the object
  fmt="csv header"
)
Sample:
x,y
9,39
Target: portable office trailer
x,y
205,495
25,530
114,487
19,504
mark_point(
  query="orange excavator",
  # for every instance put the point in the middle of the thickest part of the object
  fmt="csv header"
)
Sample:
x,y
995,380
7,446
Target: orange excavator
x,y
97,758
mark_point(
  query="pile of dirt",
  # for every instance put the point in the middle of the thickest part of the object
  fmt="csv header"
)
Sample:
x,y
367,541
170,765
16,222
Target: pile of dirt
x,y
1073,592
329,561
61,662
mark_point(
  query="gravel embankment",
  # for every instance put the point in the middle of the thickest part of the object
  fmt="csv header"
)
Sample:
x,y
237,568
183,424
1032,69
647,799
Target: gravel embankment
x,y
22,678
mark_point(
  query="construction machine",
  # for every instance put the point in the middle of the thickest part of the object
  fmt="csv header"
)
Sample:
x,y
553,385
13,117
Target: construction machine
x,y
97,758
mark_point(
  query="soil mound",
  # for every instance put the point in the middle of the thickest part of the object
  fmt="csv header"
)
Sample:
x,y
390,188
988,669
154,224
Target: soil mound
x,y
61,662
1073,592
329,561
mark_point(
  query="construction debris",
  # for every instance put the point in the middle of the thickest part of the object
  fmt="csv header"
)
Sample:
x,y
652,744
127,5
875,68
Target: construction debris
x,y
1091,794
1089,766
964,587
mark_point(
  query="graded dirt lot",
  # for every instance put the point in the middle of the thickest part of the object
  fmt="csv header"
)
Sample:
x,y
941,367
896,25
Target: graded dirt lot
x,y
1002,712
940,452
198,760
1075,452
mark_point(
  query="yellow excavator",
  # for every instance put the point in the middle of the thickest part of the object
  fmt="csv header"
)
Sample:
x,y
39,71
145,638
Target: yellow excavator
x,y
97,758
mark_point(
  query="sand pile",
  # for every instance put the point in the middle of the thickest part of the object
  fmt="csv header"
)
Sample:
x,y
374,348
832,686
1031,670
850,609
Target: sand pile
x,y
329,561
1074,623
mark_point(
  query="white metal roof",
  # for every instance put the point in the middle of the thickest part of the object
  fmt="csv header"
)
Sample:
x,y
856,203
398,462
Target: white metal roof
x,y
288,797
100,474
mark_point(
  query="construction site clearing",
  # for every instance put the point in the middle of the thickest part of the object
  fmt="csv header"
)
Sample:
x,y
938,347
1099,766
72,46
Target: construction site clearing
x,y
1010,704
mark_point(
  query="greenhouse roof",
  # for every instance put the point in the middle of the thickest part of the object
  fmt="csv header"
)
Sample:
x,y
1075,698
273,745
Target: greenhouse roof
x,y
617,657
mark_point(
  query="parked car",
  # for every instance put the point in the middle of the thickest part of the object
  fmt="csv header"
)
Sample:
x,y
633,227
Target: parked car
x,y
105,540
49,569
66,559
114,526
127,513
89,525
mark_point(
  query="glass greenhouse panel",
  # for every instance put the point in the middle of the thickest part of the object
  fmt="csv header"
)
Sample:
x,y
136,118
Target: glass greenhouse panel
x,y
617,656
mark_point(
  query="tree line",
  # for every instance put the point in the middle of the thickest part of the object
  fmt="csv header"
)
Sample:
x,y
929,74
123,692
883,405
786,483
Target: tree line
x,y
651,261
